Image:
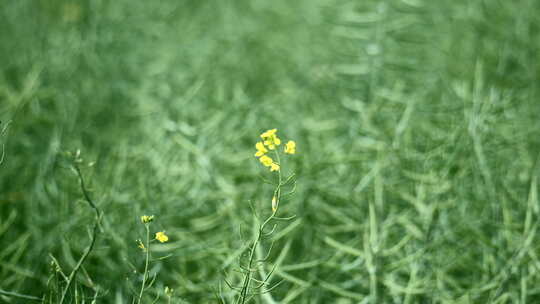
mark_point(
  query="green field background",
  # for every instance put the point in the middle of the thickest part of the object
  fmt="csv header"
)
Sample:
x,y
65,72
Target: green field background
x,y
417,126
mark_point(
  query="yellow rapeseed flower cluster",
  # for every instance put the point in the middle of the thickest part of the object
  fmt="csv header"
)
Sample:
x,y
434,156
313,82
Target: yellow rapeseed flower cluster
x,y
270,141
160,236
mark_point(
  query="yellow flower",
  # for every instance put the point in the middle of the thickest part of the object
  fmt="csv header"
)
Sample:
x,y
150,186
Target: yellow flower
x,y
274,167
266,160
162,237
270,139
147,219
268,133
274,204
261,150
141,245
290,147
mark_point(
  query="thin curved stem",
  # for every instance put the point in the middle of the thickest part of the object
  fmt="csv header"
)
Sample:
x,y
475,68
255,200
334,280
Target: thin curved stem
x,y
277,195
145,274
18,295
93,237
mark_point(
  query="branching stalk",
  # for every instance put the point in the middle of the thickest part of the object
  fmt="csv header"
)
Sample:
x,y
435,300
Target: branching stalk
x,y
145,274
93,237
247,278
18,295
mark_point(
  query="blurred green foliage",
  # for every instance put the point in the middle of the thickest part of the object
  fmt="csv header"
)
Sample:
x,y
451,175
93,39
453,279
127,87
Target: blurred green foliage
x,y
417,125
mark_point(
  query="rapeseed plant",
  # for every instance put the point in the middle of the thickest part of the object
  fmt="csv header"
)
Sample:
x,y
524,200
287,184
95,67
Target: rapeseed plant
x,y
269,144
145,247
76,161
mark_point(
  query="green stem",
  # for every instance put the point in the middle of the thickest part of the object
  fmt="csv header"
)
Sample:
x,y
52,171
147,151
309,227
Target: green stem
x,y
277,191
146,262
92,241
277,195
18,295
247,279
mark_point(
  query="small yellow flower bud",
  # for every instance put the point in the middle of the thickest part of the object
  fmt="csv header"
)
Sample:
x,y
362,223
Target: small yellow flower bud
x,y
145,219
274,204
141,245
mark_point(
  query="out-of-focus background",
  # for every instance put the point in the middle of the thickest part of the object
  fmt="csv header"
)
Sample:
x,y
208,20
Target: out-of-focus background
x,y
418,137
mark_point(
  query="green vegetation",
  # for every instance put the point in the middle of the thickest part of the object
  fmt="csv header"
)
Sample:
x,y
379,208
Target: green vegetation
x,y
417,129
